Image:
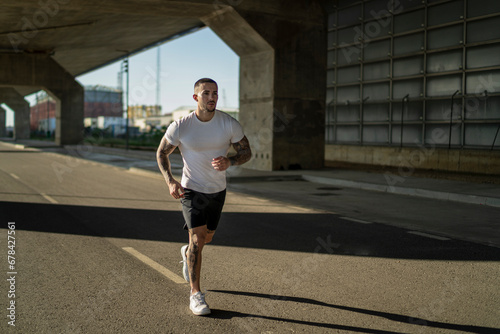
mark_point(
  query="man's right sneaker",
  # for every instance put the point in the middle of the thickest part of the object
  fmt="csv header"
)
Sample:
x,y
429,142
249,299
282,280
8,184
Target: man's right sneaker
x,y
198,305
185,269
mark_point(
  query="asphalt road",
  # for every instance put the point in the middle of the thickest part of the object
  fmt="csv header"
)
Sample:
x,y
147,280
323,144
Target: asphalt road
x,y
281,261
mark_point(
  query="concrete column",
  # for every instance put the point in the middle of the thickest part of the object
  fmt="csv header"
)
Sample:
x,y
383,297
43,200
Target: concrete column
x,y
21,109
256,81
282,82
43,71
69,115
3,117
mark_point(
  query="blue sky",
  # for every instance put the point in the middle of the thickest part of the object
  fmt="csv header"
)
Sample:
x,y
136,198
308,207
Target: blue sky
x,y
183,61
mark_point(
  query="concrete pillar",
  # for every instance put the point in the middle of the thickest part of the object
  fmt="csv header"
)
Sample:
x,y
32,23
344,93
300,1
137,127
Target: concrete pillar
x,y
3,117
42,71
282,82
21,108
256,81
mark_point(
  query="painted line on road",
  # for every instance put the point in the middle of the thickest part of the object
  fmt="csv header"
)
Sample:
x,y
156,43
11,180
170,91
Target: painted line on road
x,y
155,265
48,198
356,220
422,234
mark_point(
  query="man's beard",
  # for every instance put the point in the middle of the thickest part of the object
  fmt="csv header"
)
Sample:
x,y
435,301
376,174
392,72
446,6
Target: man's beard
x,y
207,108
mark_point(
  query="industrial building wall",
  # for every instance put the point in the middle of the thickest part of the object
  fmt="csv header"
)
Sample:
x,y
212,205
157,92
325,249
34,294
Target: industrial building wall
x,y
96,109
407,73
41,112
103,102
99,101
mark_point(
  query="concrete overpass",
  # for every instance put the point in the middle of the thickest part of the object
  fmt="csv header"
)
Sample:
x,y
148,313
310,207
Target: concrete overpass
x,y
45,44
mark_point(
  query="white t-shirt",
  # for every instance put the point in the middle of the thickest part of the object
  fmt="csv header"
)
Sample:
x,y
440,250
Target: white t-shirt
x,y
201,142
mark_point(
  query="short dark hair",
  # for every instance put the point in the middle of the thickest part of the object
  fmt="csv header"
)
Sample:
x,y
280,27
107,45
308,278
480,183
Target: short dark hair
x,y
202,81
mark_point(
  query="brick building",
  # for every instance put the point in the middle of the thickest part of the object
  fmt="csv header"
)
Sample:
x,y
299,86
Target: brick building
x,y
99,101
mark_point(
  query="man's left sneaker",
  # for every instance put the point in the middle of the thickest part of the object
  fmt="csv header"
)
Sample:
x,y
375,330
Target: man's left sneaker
x,y
198,305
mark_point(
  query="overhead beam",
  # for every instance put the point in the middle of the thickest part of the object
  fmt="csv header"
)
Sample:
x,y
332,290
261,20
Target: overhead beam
x,y
303,11
143,7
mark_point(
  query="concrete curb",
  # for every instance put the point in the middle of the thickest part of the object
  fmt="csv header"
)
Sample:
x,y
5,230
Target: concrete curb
x,y
462,198
20,146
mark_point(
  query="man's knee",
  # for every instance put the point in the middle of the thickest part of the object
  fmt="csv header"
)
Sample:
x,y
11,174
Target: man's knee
x,y
210,236
198,236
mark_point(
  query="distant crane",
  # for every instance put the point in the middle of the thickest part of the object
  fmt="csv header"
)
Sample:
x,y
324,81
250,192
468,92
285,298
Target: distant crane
x,y
158,68
120,80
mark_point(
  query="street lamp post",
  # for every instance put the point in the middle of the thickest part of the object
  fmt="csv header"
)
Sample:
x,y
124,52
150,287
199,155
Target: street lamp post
x,y
126,70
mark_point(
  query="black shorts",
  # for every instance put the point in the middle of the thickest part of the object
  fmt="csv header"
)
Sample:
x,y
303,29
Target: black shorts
x,y
202,209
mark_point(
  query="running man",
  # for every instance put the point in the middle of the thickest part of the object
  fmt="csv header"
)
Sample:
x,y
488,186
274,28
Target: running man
x,y
204,138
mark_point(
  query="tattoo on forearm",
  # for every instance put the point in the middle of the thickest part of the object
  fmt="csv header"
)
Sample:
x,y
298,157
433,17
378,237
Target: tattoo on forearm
x,y
243,152
162,154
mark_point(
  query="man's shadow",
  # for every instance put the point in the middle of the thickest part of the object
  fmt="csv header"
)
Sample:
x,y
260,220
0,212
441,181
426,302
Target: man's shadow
x,y
224,314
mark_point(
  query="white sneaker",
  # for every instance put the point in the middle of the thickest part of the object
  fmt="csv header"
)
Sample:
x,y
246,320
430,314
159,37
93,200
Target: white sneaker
x,y
198,305
185,269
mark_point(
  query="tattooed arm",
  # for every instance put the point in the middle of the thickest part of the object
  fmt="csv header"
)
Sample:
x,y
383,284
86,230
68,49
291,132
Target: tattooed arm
x,y
243,154
162,157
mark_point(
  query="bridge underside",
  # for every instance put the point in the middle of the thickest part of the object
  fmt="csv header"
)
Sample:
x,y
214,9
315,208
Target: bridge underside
x,y
45,44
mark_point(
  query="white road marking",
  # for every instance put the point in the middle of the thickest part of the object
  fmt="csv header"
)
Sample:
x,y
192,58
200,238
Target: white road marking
x,y
155,265
356,220
429,235
48,198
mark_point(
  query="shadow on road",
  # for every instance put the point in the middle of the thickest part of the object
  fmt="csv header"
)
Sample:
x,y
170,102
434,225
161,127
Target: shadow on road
x,y
222,314
311,233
